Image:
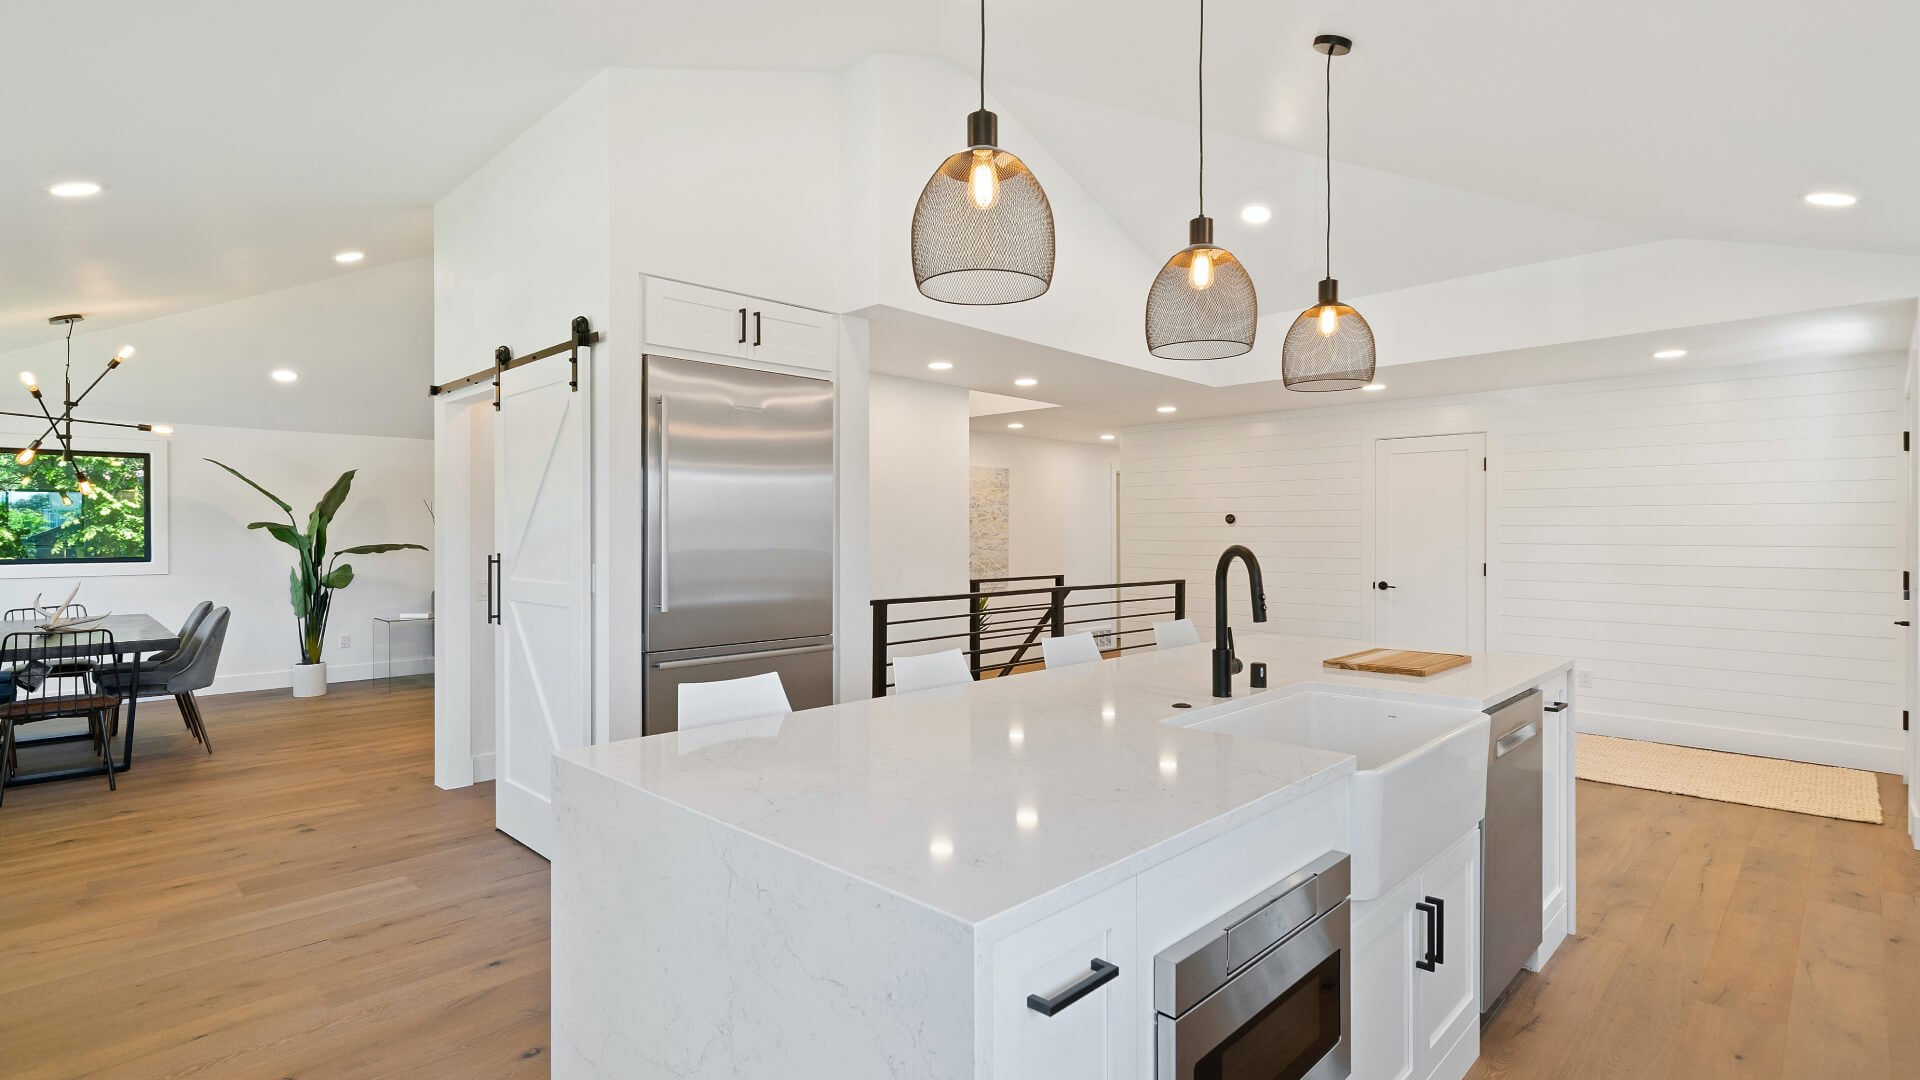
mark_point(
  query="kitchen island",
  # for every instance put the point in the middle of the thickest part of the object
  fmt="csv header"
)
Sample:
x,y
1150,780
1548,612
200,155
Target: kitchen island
x,y
874,888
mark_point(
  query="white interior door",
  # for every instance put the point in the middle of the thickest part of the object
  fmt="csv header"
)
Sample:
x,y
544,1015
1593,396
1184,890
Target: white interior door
x,y
544,528
1430,543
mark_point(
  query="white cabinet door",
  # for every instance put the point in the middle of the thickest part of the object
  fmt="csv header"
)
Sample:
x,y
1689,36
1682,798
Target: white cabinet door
x,y
1094,1037
791,336
1388,935
543,523
1448,1010
688,318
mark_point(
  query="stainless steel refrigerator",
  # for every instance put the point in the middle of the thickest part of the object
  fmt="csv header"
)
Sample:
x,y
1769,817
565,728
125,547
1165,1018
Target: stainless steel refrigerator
x,y
739,532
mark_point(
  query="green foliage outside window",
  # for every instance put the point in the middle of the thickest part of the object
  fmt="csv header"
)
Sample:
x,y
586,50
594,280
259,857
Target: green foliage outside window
x,y
45,518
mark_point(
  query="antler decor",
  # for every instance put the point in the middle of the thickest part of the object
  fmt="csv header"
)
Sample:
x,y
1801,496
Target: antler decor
x,y
55,618
314,577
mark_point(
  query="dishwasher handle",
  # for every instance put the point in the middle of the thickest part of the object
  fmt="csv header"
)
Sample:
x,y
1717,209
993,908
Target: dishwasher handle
x,y
1516,738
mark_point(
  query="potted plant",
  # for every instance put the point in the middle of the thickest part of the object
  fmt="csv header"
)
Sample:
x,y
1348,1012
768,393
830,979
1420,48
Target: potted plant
x,y
316,576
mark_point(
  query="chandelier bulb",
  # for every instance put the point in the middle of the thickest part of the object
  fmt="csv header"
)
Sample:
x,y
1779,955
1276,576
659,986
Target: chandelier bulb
x,y
26,456
28,380
86,485
125,353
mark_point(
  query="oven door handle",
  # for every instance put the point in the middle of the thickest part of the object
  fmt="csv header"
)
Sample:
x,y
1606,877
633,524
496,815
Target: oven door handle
x,y
1102,974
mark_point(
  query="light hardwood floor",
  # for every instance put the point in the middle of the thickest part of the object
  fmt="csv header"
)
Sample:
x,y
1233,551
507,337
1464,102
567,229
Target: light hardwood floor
x,y
303,903
306,904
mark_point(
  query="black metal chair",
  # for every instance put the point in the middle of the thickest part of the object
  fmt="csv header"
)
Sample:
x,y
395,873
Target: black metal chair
x,y
78,611
189,668
47,685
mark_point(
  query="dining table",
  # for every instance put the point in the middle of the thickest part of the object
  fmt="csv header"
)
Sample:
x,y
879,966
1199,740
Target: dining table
x,y
134,636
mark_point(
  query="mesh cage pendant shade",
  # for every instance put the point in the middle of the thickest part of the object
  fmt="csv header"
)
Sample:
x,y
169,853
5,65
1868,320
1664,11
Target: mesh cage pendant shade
x,y
1205,312
1329,347
983,229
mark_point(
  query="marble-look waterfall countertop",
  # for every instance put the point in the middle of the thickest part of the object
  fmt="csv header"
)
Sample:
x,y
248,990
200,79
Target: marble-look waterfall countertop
x,y
978,799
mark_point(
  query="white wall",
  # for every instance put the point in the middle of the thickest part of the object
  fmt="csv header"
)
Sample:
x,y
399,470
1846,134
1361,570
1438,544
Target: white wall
x,y
917,489
1059,504
214,556
1720,551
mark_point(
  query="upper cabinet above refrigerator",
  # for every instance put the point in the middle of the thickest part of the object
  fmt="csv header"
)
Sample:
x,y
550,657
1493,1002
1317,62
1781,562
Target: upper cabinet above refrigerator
x,y
690,318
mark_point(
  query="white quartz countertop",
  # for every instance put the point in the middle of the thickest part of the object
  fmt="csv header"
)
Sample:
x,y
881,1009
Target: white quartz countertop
x,y
977,799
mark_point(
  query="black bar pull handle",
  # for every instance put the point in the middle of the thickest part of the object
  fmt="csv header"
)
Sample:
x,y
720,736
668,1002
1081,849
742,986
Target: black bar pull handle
x,y
743,326
1439,929
493,593
1558,706
756,329
1102,974
1432,959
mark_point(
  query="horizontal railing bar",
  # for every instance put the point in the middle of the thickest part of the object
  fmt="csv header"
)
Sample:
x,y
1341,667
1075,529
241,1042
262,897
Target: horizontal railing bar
x,y
950,597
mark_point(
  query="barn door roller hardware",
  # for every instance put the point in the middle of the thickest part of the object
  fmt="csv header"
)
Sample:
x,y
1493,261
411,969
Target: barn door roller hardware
x,y
581,334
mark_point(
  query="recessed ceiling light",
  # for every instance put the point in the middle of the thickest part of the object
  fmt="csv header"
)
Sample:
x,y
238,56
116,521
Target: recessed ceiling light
x,y
349,256
1106,438
1026,382
1669,354
1167,408
1015,426
285,375
1255,214
1831,198
1374,386
74,189
940,365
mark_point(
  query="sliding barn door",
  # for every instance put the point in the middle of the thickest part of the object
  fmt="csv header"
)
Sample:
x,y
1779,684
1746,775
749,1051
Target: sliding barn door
x,y
544,528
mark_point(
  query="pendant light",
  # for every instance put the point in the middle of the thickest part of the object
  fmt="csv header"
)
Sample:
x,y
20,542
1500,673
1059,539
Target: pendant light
x,y
1202,305
983,230
1329,347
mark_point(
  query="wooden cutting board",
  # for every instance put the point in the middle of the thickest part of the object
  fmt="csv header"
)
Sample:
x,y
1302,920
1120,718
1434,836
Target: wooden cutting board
x,y
1399,662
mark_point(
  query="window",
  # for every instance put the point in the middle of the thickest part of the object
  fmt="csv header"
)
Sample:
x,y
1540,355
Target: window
x,y
44,517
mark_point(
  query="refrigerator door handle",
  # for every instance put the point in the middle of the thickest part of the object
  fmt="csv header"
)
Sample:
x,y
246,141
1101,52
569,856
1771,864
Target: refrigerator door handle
x,y
665,516
734,658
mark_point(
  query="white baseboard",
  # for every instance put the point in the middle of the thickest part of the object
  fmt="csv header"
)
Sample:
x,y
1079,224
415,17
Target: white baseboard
x,y
282,678
1810,747
482,767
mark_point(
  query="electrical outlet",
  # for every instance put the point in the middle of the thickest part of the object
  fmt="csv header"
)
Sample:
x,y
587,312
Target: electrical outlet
x,y
346,641
1586,680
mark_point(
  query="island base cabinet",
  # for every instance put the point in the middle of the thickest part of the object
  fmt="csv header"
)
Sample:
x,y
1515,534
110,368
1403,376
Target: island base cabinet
x,y
1063,961
1416,966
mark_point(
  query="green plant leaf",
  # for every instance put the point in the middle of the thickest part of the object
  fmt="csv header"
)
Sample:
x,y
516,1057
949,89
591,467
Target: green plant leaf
x,y
339,577
375,549
323,512
277,500
285,534
299,594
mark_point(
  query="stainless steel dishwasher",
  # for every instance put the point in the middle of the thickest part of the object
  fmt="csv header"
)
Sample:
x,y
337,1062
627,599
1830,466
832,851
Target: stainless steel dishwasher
x,y
1510,926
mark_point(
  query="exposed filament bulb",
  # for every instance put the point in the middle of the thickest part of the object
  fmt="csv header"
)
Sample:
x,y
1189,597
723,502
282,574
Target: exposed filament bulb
x,y
1329,320
983,180
1200,271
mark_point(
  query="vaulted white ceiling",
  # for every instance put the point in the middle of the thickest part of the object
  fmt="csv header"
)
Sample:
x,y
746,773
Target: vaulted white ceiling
x,y
242,144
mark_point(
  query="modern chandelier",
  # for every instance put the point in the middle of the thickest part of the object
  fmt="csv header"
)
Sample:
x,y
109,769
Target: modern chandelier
x,y
983,229
60,428
1329,346
1202,305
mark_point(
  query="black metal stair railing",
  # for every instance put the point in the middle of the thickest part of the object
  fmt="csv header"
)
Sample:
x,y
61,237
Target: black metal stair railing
x,y
1020,617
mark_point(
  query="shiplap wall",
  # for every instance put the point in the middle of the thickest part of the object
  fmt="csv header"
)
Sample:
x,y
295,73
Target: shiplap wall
x,y
1720,549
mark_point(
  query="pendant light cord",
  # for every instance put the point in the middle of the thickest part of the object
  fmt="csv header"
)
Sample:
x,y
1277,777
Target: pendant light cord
x,y
1329,161
983,55
1200,81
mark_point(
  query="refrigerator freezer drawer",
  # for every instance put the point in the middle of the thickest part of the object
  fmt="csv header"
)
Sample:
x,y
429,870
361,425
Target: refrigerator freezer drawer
x,y
805,670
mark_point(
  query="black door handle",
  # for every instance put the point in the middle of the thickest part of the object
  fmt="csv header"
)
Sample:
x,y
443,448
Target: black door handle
x,y
743,326
1432,958
1383,586
1903,622
493,596
1102,974
756,329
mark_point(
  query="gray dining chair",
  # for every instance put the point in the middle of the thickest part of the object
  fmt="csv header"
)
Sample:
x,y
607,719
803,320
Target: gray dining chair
x,y
187,669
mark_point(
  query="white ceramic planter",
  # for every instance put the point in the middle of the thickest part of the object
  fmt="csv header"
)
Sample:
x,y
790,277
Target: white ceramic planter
x,y
310,680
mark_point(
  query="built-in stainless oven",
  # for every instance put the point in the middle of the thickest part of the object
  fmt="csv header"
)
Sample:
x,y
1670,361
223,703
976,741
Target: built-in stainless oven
x,y
1265,991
